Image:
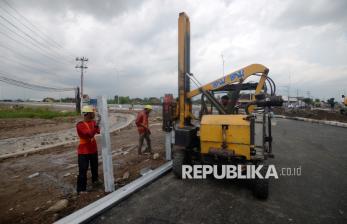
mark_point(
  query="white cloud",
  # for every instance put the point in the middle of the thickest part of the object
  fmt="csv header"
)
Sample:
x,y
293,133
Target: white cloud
x,y
305,41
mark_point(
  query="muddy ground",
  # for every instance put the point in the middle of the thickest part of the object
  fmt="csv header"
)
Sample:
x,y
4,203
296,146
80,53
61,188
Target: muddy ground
x,y
26,200
19,127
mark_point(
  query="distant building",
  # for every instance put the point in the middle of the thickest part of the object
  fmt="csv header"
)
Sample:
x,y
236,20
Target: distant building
x,y
293,102
137,101
34,100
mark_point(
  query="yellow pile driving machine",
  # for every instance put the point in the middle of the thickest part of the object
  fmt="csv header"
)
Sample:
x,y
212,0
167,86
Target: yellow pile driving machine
x,y
223,136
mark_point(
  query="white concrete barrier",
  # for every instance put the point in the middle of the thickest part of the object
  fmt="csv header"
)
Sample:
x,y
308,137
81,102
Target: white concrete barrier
x,y
97,207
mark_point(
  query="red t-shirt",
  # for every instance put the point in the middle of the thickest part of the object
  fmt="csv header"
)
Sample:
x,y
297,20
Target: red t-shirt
x,y
142,121
86,130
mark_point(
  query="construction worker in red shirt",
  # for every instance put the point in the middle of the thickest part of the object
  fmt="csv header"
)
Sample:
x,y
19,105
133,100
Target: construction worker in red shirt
x,y
87,149
143,129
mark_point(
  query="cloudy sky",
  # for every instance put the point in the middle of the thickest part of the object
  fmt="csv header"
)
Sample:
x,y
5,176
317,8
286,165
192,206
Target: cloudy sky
x,y
132,45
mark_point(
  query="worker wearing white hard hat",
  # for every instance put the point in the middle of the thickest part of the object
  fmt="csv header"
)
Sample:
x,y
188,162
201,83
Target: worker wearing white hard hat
x,y
87,148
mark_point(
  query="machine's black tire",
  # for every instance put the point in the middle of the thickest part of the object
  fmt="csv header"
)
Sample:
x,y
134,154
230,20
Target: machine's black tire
x,y
178,160
261,186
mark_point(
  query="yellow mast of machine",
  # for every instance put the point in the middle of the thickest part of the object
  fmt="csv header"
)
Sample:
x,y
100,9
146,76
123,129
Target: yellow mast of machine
x,y
185,106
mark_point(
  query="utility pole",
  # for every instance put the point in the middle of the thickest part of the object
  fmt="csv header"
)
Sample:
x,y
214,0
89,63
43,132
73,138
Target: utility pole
x,y
78,99
82,67
290,81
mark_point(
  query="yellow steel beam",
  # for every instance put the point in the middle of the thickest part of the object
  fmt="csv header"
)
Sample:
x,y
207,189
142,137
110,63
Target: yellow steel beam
x,y
234,77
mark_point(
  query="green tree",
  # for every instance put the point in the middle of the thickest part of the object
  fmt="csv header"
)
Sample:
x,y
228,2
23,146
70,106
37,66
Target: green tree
x,y
308,101
332,102
154,101
124,100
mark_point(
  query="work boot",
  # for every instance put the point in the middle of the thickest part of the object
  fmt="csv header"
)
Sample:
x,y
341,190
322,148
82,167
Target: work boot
x,y
97,183
148,150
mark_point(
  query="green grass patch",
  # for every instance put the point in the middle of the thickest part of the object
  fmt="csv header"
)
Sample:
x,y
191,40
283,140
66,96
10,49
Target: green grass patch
x,y
37,112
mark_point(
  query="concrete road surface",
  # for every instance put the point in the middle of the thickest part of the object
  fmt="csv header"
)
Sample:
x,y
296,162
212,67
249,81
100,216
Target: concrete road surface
x,y
319,195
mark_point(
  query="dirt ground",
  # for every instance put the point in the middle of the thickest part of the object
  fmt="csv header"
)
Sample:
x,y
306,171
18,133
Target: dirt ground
x,y
26,200
313,114
19,127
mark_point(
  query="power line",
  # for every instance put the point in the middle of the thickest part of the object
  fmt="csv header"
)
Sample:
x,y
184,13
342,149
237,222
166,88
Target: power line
x,y
14,82
37,62
21,36
31,39
26,67
32,48
38,31
49,45
18,20
19,29
19,62
27,46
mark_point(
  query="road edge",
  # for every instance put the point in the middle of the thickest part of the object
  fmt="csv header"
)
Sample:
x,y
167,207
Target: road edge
x,y
332,123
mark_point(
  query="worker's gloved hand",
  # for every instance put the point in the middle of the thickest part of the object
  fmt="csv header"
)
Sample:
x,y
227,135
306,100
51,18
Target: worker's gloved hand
x,y
98,119
148,131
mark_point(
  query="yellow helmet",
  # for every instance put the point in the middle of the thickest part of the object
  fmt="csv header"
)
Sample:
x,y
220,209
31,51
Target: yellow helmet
x,y
149,107
87,109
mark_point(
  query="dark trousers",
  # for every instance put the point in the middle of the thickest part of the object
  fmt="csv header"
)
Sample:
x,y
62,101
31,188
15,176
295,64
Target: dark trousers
x,y
142,137
83,164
